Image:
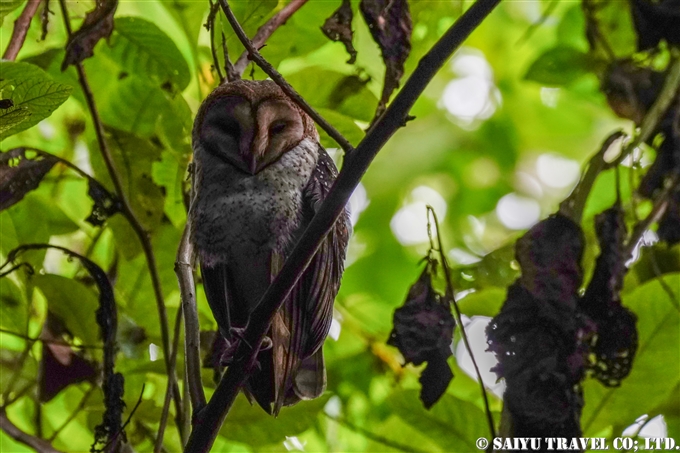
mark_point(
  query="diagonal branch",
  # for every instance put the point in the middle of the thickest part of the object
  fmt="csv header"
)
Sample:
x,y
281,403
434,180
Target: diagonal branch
x,y
209,420
13,431
266,30
280,81
21,26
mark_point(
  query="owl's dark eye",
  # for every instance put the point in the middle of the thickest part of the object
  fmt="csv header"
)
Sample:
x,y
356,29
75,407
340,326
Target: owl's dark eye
x,y
231,127
277,127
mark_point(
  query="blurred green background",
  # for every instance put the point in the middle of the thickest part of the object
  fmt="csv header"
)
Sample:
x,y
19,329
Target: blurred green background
x,y
491,149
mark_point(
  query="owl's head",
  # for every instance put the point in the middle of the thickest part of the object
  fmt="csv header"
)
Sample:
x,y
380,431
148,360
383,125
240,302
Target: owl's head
x,y
250,124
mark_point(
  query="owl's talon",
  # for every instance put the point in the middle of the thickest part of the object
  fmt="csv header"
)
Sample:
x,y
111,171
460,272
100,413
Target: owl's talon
x,y
266,344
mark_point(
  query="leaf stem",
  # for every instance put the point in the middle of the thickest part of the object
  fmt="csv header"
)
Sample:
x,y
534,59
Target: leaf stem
x,y
451,296
36,443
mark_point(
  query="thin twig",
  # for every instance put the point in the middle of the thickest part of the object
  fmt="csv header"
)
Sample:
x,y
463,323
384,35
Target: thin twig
x,y
132,219
114,438
459,319
541,20
168,392
39,445
192,352
209,420
265,31
210,25
372,436
228,67
280,81
21,26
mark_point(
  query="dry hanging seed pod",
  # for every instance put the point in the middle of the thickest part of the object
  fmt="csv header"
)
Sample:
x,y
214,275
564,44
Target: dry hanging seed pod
x,y
423,331
338,27
617,338
538,335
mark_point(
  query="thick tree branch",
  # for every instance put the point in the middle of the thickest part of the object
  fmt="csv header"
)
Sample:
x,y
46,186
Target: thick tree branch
x,y
133,220
266,30
39,445
21,26
280,81
208,421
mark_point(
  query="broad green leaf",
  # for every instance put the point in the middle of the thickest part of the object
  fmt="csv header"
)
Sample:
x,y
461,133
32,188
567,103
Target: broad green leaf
x,y
252,426
558,66
453,424
344,124
486,302
73,303
141,48
649,383
133,105
189,15
133,158
169,173
571,29
13,307
7,6
34,94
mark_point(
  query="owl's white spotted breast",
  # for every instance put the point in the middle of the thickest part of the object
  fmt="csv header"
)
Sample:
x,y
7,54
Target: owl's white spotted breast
x,y
242,214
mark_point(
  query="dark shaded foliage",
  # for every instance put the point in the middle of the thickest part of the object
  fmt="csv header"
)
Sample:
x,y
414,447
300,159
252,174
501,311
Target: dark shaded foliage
x,y
98,24
537,336
423,330
616,341
20,174
338,27
656,21
390,24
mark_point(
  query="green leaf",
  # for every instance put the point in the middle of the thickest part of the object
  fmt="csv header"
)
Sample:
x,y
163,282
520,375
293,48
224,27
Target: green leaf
x,y
34,94
74,303
252,426
7,6
190,17
141,48
133,158
169,173
558,66
13,308
656,369
344,124
486,302
451,423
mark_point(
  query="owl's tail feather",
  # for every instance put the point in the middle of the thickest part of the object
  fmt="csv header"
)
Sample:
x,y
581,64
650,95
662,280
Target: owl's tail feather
x,y
310,380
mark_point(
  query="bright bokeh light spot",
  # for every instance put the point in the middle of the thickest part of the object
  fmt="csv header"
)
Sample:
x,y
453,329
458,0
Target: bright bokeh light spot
x,y
648,238
46,129
463,257
476,333
153,352
550,96
526,183
409,224
292,443
644,427
357,203
333,407
473,95
557,171
517,212
336,328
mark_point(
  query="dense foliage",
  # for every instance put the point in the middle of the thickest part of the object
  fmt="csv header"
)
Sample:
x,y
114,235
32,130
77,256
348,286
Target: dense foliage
x,y
498,141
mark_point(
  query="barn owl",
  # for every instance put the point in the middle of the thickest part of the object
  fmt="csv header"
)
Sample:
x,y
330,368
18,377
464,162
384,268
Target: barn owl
x,y
260,175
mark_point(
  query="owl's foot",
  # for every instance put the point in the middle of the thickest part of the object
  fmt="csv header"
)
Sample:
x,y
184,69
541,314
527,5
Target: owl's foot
x,y
237,333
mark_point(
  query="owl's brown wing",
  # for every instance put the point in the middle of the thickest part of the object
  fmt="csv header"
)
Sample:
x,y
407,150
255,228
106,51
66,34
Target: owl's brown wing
x,y
306,318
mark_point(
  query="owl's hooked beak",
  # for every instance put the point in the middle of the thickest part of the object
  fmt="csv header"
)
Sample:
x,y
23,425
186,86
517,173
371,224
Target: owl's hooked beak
x,y
254,156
